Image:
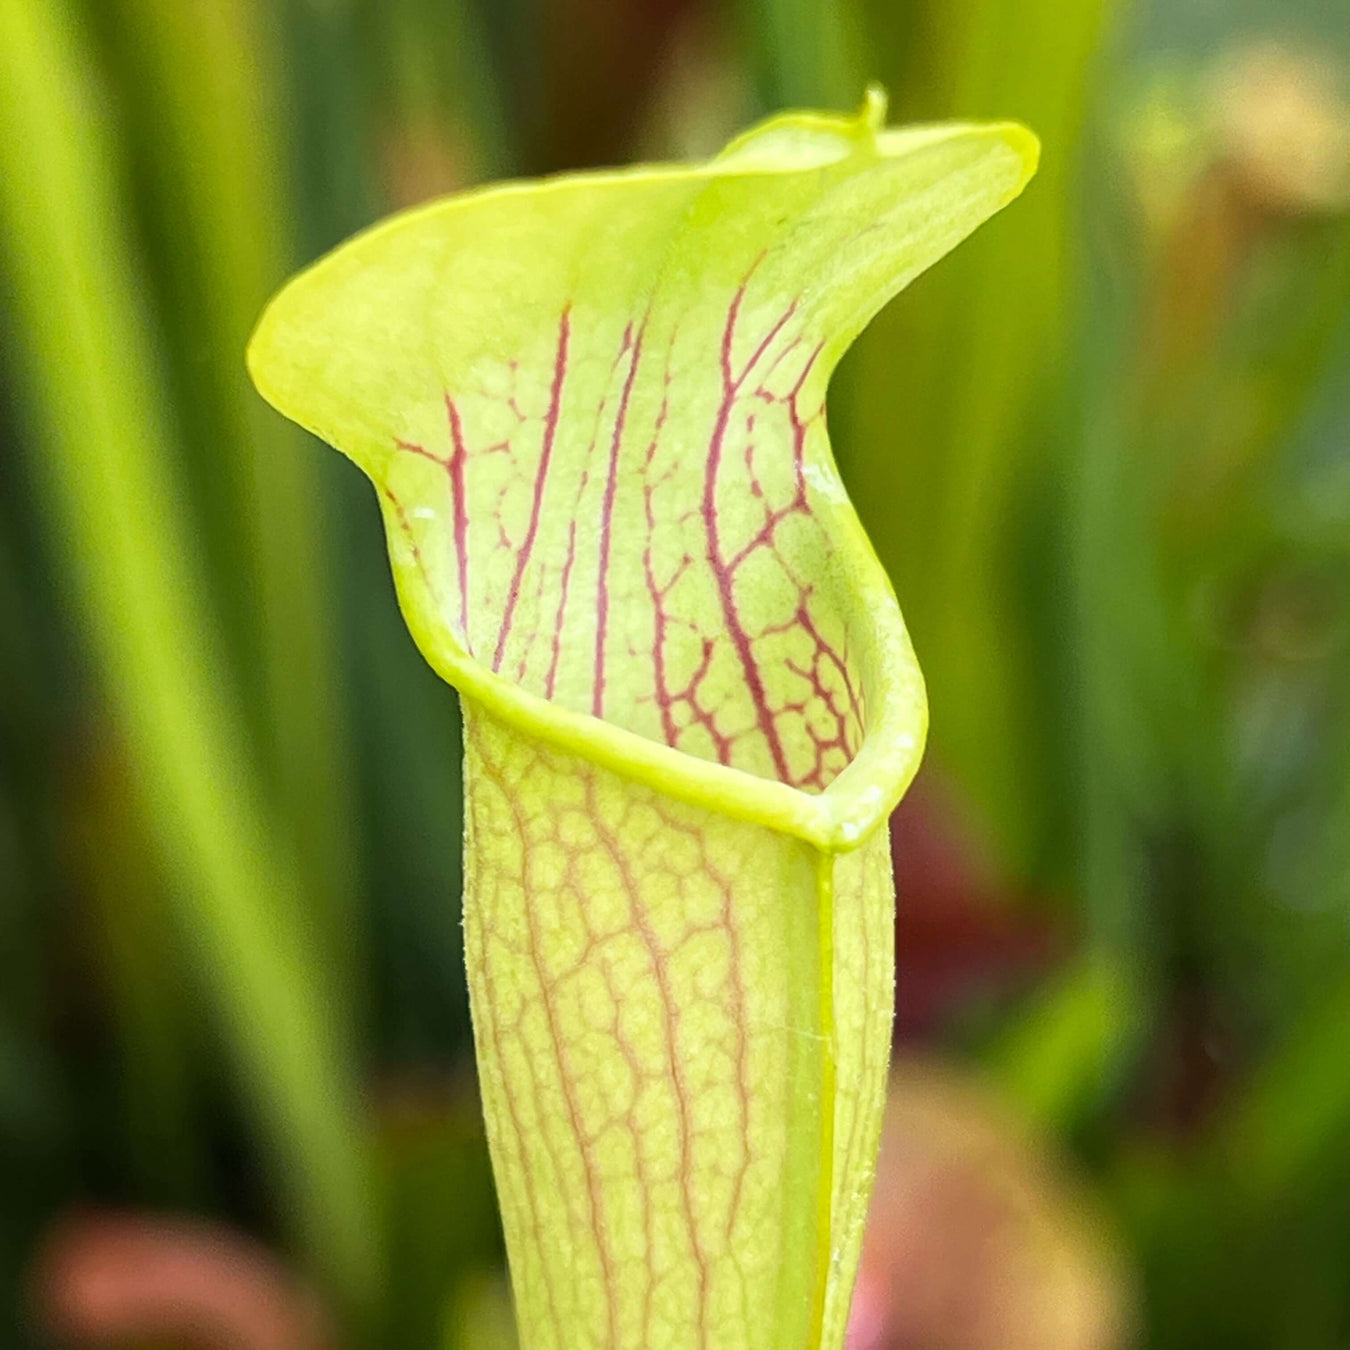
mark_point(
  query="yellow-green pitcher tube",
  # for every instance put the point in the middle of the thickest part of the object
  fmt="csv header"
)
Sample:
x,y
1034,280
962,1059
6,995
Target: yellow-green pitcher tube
x,y
593,409
683,1023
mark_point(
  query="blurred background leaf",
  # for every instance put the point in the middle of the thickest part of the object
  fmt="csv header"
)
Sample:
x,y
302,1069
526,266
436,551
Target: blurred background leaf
x,y
1104,451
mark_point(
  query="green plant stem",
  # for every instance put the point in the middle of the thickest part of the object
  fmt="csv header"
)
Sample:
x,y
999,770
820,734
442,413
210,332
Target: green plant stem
x,y
204,72
108,478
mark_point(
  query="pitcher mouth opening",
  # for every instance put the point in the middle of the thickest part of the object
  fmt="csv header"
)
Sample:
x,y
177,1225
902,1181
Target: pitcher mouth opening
x,y
710,596
858,799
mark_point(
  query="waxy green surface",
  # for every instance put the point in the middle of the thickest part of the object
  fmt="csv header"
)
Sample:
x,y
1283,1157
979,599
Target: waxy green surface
x,y
593,408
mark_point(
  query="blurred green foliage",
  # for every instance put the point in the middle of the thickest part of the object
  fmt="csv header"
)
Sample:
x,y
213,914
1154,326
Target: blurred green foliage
x,y
1104,451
